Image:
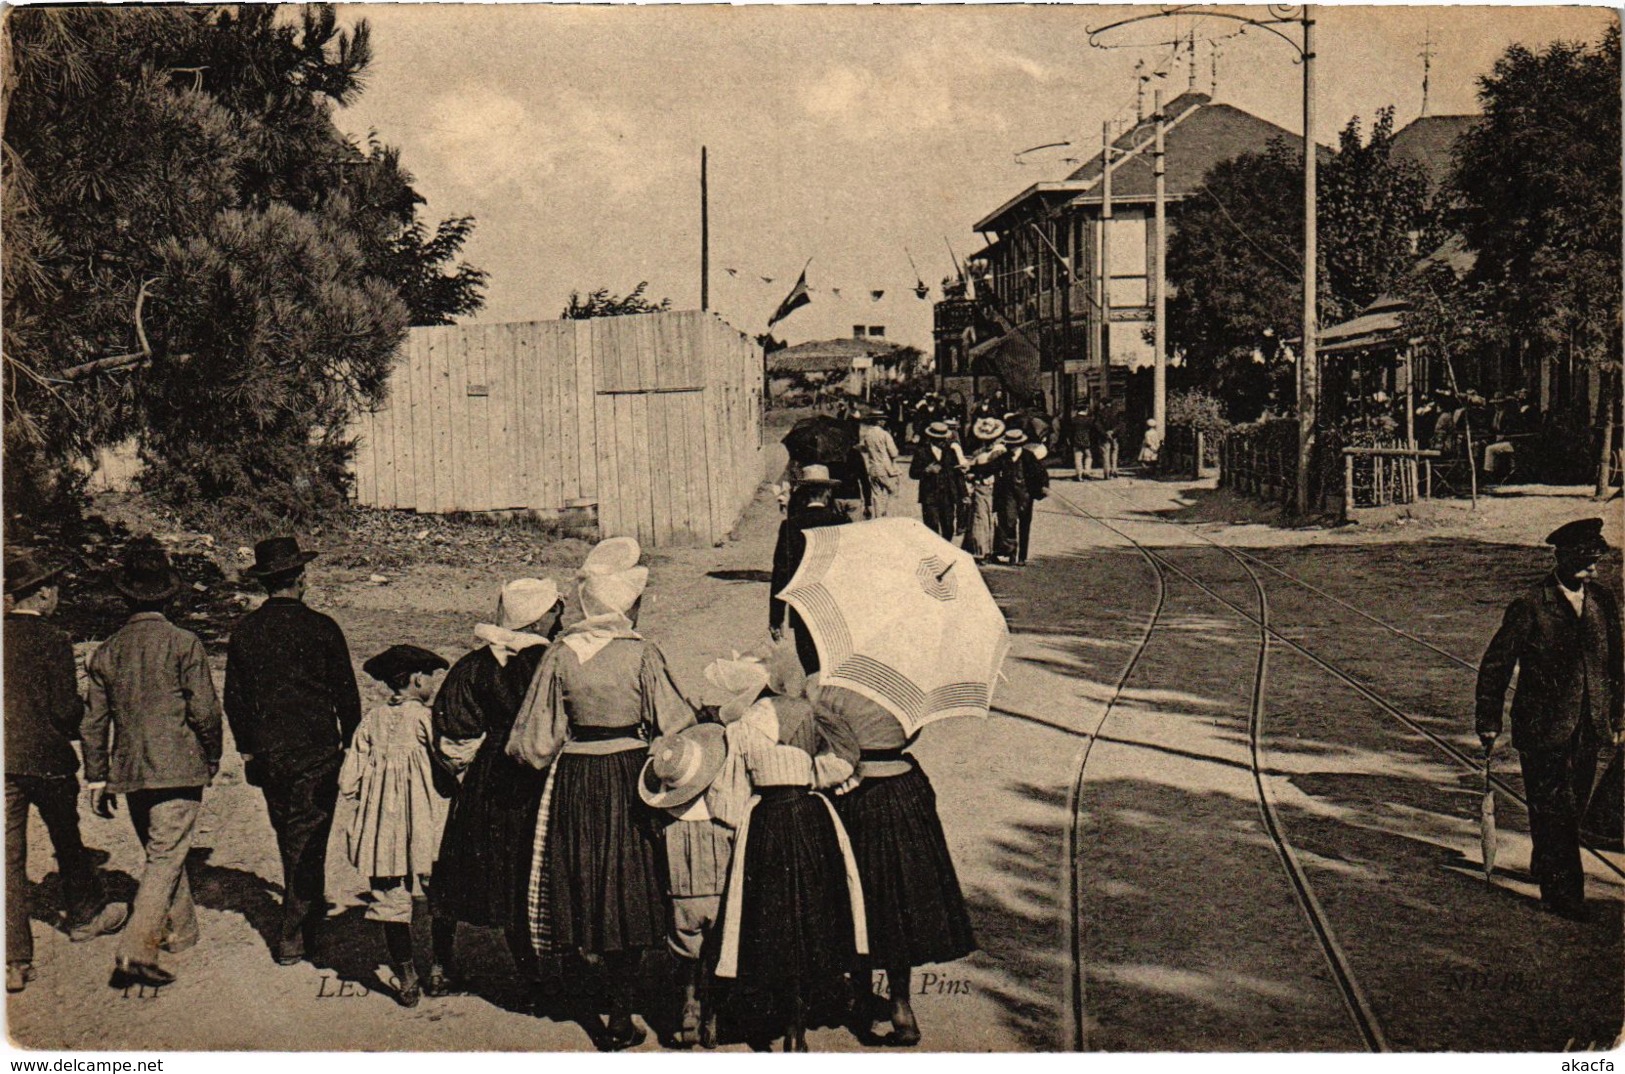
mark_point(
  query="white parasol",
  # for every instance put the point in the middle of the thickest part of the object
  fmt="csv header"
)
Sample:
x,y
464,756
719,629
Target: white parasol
x,y
901,617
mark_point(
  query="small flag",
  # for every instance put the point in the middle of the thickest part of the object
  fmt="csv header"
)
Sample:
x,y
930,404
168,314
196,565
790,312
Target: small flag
x,y
1029,270
921,290
793,301
767,279
877,295
836,291
732,272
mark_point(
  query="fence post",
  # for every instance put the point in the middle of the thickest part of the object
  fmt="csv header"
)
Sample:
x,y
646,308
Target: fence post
x,y
1348,484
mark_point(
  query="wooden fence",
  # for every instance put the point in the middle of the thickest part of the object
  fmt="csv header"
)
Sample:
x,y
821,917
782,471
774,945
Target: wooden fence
x,y
652,421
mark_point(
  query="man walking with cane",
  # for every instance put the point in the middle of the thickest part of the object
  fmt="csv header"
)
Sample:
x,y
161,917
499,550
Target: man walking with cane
x,y
1563,637
293,705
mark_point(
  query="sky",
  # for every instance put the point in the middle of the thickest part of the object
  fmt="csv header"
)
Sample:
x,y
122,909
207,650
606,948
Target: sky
x,y
852,136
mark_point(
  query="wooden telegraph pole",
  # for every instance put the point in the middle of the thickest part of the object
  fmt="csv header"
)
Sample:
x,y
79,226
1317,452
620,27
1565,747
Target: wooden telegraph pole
x,y
1105,260
1308,372
1159,358
705,236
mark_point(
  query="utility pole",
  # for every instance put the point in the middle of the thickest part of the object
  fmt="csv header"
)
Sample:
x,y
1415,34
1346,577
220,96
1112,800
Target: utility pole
x,y
705,236
1427,66
1159,357
1105,305
1308,372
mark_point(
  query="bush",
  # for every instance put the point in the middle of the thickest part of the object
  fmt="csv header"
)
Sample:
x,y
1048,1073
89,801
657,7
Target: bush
x,y
1197,409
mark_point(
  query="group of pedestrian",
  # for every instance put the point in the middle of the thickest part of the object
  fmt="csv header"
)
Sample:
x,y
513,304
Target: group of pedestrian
x,y
554,783
982,488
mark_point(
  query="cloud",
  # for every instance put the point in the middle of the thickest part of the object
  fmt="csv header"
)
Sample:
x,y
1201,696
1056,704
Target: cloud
x,y
923,91
483,141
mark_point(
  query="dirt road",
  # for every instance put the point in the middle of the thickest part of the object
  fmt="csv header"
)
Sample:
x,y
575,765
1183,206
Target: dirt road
x,y
1145,896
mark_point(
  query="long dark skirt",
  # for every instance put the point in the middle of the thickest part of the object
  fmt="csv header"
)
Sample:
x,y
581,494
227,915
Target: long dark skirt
x,y
796,922
603,873
911,895
483,869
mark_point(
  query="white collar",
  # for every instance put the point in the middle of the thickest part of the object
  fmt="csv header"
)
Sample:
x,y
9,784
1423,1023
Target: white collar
x,y
505,643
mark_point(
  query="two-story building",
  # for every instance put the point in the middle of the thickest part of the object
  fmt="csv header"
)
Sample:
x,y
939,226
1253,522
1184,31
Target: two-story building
x,y
1039,322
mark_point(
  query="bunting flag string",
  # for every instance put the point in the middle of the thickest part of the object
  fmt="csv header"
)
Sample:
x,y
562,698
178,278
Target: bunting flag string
x,y
847,291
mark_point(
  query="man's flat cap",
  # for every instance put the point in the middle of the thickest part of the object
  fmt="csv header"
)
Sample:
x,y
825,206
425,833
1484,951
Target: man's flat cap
x,y
1582,536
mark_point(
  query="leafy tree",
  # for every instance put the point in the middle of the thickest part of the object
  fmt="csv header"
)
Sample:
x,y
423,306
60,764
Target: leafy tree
x,y
601,303
1235,258
1537,186
1368,208
1234,282
195,254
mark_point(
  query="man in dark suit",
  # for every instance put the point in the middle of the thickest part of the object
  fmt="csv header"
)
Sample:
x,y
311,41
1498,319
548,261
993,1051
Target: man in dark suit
x,y
811,505
936,467
42,719
1019,480
1563,637
292,702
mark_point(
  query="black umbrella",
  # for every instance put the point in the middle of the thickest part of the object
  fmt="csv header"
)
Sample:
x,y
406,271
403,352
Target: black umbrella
x,y
821,439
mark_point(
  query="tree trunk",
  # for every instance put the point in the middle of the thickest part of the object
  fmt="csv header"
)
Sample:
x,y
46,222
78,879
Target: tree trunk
x,y
1605,404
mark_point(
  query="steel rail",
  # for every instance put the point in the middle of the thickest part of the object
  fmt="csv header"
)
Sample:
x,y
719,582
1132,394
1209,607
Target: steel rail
x,y
1337,960
1078,1031
1188,527
1470,764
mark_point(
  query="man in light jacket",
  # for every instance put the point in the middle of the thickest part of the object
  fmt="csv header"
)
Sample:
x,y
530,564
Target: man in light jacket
x,y
152,734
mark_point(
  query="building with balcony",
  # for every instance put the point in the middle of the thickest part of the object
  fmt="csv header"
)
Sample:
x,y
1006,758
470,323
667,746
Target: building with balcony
x,y
1046,315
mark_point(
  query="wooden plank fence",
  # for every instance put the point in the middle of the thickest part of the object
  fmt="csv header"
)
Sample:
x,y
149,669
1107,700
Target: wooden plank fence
x,y
651,421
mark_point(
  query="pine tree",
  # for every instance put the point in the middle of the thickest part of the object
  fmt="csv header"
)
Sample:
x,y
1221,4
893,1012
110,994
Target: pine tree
x,y
197,256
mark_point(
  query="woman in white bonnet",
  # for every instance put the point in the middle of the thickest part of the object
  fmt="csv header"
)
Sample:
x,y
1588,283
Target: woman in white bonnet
x,y
483,869
600,694
793,918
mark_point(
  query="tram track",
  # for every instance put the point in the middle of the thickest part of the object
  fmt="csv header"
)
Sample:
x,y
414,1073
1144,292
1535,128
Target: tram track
x,y
1410,721
1342,972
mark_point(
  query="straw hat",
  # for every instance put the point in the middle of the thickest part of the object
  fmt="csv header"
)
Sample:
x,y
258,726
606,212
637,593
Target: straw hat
x,y
937,430
987,429
25,570
400,660
525,600
146,574
816,474
681,766
1014,437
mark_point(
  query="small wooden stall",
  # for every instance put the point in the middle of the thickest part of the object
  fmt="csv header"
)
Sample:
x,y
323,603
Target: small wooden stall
x,y
1368,407
651,423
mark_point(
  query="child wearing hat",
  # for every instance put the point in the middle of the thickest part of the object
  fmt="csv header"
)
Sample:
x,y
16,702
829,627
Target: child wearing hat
x,y
388,772
680,769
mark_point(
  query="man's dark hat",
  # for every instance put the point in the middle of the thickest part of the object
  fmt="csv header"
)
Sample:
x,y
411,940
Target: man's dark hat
x,y
147,574
1582,537
25,570
400,660
278,555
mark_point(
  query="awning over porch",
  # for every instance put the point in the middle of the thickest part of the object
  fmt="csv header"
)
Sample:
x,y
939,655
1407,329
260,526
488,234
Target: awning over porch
x,y
1379,325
